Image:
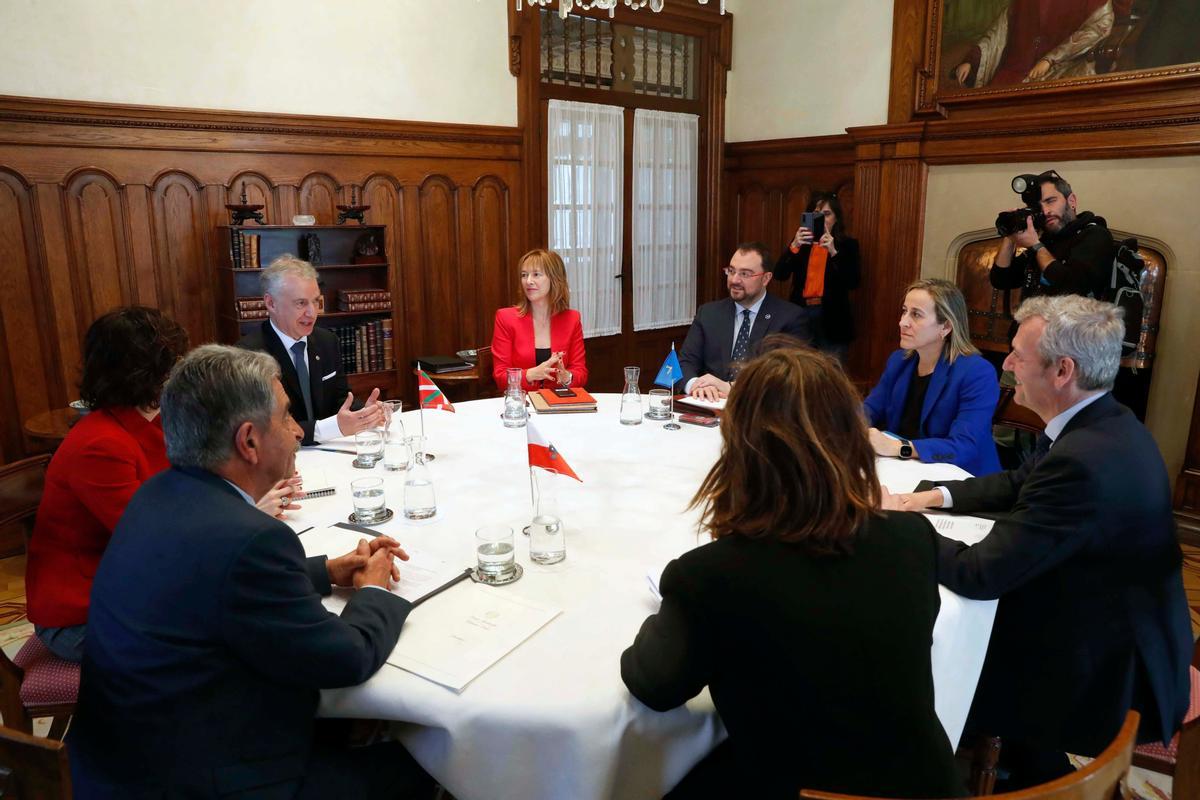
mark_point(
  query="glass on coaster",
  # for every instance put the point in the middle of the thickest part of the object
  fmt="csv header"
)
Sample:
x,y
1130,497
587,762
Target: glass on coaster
x,y
495,555
396,453
370,504
420,502
660,405
369,447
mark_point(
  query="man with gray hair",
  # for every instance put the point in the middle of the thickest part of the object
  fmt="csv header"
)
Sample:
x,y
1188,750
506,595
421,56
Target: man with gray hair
x,y
309,357
207,640
1092,619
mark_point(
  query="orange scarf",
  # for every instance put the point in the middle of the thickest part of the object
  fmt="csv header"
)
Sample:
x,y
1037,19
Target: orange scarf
x,y
814,281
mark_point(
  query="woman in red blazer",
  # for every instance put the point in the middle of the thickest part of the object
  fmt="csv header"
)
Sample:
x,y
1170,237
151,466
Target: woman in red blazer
x,y
540,334
127,355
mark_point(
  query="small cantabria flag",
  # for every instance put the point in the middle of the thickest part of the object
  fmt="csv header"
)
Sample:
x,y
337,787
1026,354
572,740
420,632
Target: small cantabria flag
x,y
430,395
543,454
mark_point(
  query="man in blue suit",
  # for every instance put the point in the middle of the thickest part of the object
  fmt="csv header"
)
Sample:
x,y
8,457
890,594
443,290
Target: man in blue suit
x,y
1092,619
207,641
726,332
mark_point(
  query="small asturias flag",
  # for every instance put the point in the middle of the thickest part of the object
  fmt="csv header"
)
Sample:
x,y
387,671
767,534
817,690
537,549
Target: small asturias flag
x,y
542,454
670,372
430,395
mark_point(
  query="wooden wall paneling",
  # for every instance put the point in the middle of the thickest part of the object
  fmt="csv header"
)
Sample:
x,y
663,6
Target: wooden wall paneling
x,y
62,313
288,201
496,271
181,233
319,195
383,194
258,191
867,174
98,247
23,328
140,235
440,316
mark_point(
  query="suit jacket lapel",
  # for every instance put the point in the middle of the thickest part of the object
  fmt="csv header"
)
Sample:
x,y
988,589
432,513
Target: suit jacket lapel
x,y
937,382
316,371
287,369
762,322
729,310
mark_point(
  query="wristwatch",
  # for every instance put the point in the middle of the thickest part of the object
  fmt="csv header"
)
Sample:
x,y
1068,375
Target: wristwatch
x,y
1033,248
906,450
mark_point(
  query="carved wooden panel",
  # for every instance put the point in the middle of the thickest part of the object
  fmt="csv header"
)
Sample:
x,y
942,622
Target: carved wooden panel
x,y
98,249
495,263
185,271
319,197
437,275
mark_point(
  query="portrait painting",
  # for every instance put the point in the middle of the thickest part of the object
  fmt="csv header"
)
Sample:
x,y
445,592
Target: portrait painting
x,y
994,44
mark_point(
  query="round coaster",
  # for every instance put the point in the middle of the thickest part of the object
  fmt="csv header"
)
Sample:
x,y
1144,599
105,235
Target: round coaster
x,y
387,515
653,418
359,465
671,426
489,580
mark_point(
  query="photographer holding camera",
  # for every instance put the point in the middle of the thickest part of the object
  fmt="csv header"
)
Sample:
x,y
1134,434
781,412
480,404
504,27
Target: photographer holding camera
x,y
1066,252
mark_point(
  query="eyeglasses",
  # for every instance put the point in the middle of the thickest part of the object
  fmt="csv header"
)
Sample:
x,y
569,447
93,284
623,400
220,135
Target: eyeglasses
x,y
744,274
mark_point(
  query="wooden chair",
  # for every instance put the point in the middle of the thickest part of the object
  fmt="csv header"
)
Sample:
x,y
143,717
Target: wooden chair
x,y
1181,757
32,768
1105,778
35,682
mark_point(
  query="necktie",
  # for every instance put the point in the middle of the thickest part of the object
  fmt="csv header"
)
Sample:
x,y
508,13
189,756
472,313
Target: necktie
x,y
302,374
740,345
1042,447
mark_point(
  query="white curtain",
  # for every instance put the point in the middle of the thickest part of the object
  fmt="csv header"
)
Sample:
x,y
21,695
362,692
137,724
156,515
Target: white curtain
x,y
584,149
665,150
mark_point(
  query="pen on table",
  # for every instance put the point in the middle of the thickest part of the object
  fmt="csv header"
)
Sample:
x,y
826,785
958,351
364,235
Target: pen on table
x,y
462,576
333,450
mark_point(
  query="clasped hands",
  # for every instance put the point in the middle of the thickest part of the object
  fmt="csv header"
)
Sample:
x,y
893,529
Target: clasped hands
x,y
370,564
549,370
805,236
371,415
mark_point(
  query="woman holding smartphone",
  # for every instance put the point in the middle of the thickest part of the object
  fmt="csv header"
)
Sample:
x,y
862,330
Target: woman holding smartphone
x,y
824,262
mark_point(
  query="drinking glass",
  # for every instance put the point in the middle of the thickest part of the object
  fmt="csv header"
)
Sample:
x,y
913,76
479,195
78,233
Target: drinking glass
x,y
370,505
420,502
396,455
660,404
547,544
369,446
494,551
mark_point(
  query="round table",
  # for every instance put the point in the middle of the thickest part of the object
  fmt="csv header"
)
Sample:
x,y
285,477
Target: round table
x,y
52,426
552,719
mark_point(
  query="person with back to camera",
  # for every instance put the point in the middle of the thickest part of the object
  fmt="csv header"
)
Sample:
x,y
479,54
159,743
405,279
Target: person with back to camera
x,y
825,271
541,334
937,394
782,615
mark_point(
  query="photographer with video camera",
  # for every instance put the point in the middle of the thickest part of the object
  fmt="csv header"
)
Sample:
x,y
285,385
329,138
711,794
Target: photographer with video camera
x,y
1066,251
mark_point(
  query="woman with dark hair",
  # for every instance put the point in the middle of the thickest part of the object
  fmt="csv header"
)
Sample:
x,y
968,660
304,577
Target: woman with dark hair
x,y
810,616
824,273
127,355
541,334
937,395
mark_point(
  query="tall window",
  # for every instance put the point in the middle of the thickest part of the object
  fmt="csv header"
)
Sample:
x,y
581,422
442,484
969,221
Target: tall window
x,y
585,153
665,149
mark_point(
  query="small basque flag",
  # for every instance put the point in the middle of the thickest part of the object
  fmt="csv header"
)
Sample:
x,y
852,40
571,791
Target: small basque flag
x,y
430,395
676,371
542,454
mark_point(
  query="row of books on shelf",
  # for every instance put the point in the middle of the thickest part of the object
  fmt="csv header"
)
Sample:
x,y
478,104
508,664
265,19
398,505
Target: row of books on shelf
x,y
364,300
366,347
252,308
243,250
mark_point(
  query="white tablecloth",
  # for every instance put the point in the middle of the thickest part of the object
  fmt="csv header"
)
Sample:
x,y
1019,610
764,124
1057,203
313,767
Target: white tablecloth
x,y
553,719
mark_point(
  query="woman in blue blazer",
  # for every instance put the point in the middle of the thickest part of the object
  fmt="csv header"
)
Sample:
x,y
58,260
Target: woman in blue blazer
x,y
937,395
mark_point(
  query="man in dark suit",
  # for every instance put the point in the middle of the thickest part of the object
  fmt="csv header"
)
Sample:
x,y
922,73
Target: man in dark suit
x,y
207,641
1092,619
309,356
725,332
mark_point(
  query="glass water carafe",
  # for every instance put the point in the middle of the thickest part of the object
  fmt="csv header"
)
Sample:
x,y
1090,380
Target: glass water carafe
x,y
631,398
515,413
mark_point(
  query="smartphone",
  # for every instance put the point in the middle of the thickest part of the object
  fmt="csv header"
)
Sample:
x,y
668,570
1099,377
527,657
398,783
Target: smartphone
x,y
815,222
564,391
700,419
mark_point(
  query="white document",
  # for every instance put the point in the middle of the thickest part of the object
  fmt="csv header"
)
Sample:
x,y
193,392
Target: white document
x,y
419,576
711,405
968,530
453,638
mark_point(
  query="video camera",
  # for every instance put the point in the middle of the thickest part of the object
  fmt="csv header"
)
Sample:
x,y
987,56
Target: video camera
x,y
1030,189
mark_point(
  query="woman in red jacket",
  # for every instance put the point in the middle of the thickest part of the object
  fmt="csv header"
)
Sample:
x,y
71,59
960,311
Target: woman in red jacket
x,y
540,334
127,355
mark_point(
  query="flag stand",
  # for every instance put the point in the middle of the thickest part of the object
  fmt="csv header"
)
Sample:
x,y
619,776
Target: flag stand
x,y
671,425
421,455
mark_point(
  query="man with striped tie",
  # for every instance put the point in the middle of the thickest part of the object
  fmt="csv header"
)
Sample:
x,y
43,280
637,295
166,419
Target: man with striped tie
x,y
726,332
